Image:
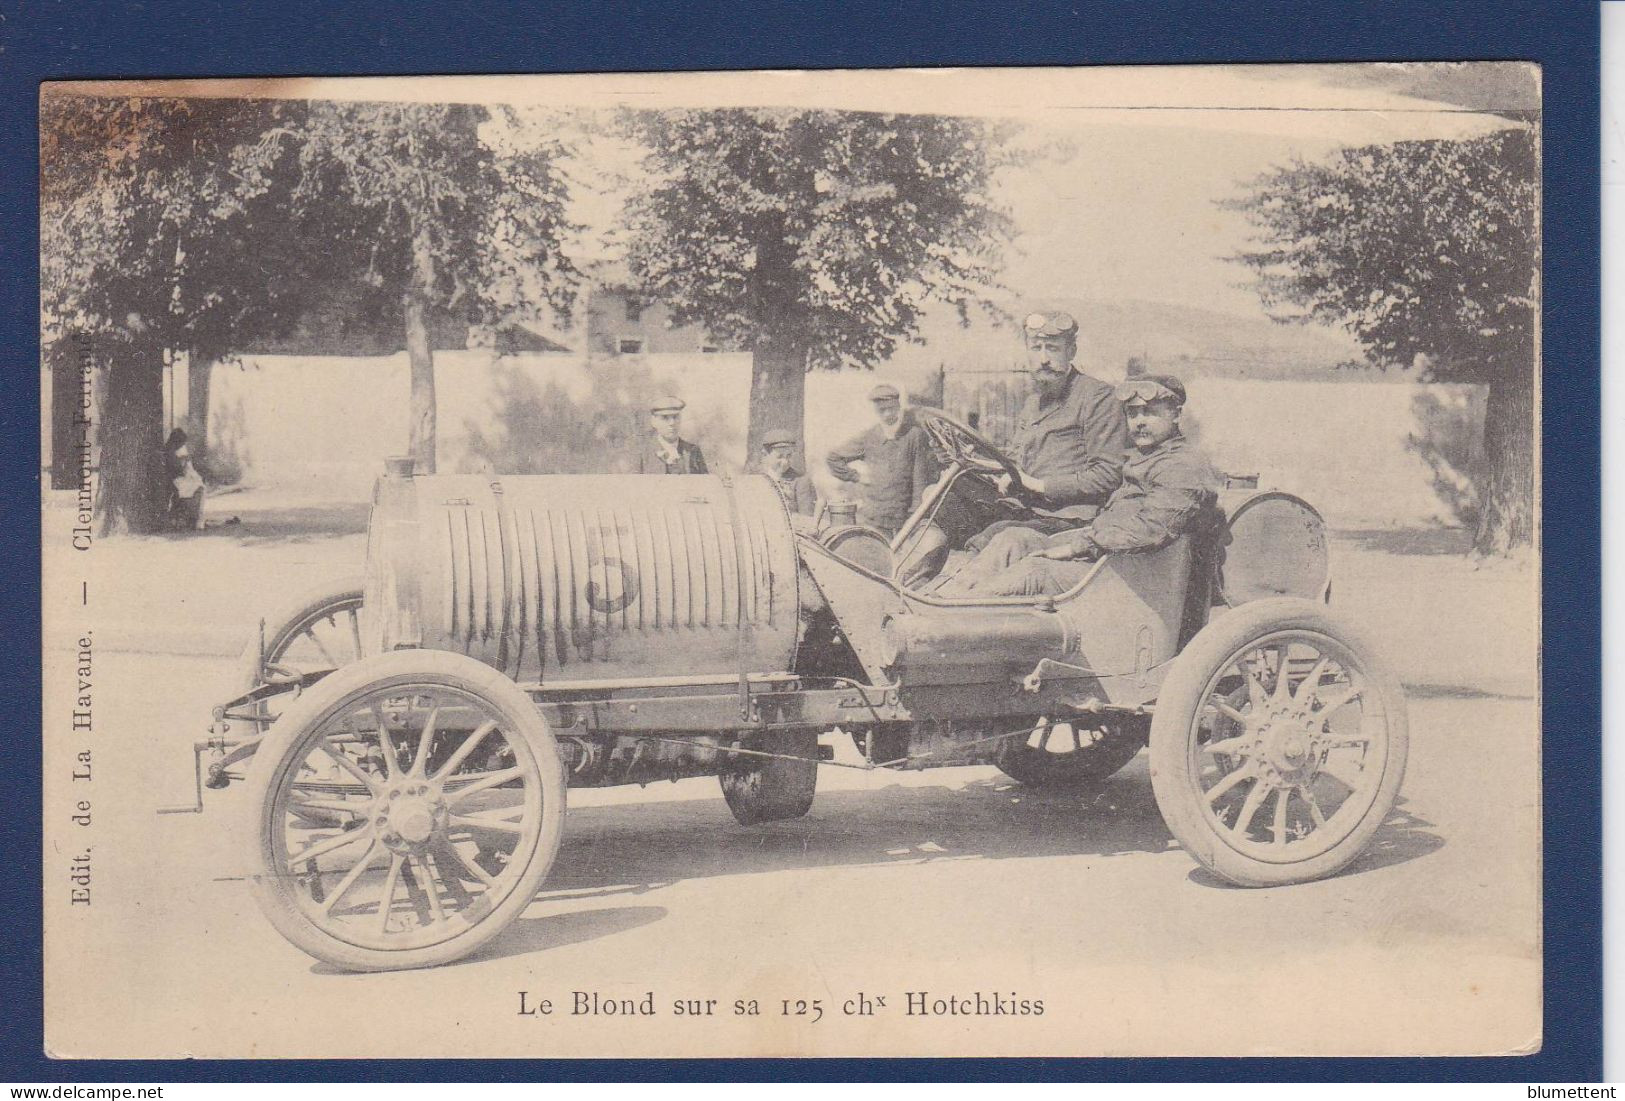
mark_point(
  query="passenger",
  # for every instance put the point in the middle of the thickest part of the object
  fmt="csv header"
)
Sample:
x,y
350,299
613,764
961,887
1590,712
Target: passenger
x,y
1068,446
1168,489
795,488
901,463
665,451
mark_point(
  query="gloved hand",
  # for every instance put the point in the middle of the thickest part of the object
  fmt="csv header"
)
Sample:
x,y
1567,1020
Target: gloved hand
x,y
1069,545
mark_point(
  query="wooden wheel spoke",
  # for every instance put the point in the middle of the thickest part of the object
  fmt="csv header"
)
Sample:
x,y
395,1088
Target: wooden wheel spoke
x,y
1337,702
322,848
351,876
447,864
455,870
386,742
483,783
499,825
1230,781
1229,712
1230,747
310,633
344,761
1309,800
1282,689
355,629
420,764
472,867
1249,808
1311,682
469,745
429,884
340,805
1282,794
391,879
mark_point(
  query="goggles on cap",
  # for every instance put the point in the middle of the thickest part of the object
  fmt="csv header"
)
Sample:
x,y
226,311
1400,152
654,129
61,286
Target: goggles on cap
x,y
1146,390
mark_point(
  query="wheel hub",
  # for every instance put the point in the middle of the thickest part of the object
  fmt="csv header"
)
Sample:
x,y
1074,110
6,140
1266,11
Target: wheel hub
x,y
1286,745
409,815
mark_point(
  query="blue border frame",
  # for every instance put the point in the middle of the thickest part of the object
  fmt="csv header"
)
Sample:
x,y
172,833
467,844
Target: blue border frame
x,y
52,39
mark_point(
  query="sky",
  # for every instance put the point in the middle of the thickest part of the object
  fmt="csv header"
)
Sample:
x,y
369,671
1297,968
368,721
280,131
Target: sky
x,y
1131,214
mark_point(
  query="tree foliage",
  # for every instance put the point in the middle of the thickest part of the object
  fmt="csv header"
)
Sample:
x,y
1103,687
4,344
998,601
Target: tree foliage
x,y
209,225
1427,252
827,229
453,208
150,240
812,237
1417,248
148,232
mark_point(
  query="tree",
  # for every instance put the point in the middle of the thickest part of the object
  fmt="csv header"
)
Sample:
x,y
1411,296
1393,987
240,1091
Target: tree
x,y
462,209
151,241
812,238
1427,251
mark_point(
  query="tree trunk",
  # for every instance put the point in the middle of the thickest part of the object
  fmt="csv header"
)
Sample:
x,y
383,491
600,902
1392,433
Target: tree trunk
x,y
778,396
1506,516
133,486
420,354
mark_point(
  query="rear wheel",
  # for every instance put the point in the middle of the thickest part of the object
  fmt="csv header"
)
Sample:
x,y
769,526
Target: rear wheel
x,y
770,789
317,632
1278,745
1072,755
441,801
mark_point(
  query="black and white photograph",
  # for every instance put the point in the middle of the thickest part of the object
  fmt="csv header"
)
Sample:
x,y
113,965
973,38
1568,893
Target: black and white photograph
x,y
920,562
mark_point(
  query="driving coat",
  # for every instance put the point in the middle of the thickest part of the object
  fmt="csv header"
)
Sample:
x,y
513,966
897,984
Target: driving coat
x,y
1166,492
1075,445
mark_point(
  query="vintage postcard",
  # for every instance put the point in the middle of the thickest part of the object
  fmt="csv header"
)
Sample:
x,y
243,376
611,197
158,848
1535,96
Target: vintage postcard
x,y
1021,562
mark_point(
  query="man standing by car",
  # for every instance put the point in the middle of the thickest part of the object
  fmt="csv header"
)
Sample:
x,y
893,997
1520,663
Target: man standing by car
x,y
665,451
1169,488
900,463
795,488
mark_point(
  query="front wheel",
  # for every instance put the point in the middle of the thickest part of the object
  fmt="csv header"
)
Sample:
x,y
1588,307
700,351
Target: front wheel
x,y
441,799
1278,744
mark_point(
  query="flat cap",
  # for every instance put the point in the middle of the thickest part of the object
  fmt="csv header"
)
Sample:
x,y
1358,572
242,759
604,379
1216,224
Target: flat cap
x,y
667,404
1050,323
1149,388
778,437
883,391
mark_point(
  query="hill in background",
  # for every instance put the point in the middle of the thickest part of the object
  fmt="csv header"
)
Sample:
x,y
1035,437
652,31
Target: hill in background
x,y
1184,340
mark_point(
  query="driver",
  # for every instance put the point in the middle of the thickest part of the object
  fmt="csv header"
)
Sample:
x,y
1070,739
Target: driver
x,y
1068,448
1168,489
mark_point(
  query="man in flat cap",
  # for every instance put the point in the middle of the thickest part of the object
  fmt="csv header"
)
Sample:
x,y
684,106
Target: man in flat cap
x,y
1068,446
665,451
1168,489
900,461
777,461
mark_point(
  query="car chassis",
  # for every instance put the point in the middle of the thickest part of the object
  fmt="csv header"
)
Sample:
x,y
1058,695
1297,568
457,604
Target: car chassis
x,y
413,733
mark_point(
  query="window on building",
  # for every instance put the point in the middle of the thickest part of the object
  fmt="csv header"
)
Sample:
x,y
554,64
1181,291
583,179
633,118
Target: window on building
x,y
630,346
634,310
709,349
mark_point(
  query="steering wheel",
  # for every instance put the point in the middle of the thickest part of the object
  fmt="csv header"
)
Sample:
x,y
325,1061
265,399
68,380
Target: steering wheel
x,y
958,444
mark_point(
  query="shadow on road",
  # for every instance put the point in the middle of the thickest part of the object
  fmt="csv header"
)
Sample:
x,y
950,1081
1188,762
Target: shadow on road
x,y
632,849
258,526
1403,837
1410,541
1460,692
573,927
